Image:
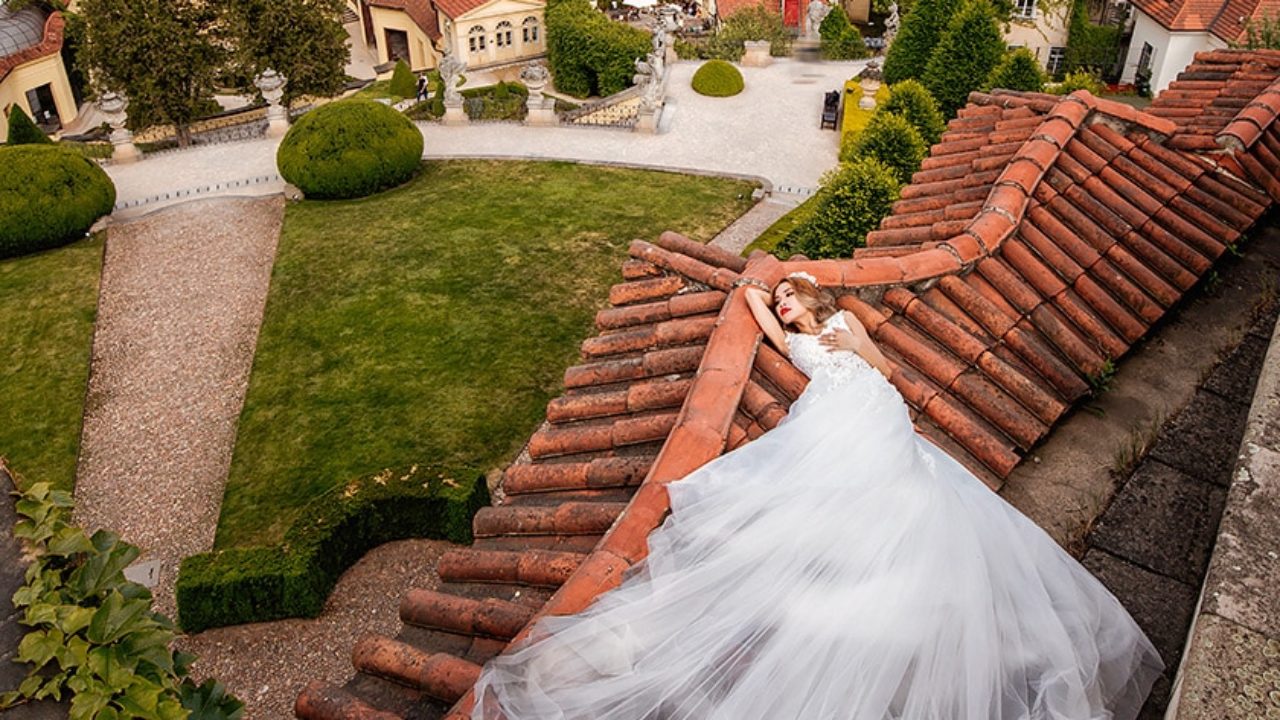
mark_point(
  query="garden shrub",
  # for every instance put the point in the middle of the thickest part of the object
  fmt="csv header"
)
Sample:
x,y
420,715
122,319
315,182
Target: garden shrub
x,y
913,102
840,39
1090,47
49,196
504,101
589,54
922,29
717,78
22,131
969,50
1019,70
350,149
254,584
757,22
1079,80
93,634
403,82
853,200
893,141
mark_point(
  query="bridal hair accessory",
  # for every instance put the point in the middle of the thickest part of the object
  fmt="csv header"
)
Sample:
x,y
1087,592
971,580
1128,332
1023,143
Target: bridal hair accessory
x,y
804,276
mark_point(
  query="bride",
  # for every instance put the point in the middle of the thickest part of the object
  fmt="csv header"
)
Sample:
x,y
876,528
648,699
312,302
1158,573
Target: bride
x,y
838,567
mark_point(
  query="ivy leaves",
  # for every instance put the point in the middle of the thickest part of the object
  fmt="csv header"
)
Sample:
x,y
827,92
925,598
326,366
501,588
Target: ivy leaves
x,y
93,633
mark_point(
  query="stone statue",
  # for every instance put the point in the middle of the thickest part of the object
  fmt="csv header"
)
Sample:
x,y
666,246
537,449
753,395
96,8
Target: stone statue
x,y
891,25
272,85
818,11
450,68
649,78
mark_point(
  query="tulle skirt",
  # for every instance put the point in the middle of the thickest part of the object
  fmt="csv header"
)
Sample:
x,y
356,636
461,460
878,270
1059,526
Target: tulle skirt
x,y
840,567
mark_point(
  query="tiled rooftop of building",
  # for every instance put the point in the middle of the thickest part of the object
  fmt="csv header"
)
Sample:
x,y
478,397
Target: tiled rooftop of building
x,y
1041,239
1223,18
28,35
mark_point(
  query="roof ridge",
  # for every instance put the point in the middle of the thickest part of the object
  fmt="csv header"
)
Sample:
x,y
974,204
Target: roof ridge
x,y
1003,209
1248,125
699,435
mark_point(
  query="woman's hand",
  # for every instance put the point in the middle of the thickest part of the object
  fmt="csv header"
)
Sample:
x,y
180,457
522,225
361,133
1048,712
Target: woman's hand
x,y
837,340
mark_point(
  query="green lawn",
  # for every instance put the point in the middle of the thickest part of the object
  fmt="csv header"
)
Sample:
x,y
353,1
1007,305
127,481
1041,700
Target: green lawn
x,y
432,323
47,306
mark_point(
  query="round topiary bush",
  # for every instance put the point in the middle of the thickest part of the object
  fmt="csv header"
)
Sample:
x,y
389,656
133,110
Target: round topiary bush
x,y
49,196
350,149
893,141
717,78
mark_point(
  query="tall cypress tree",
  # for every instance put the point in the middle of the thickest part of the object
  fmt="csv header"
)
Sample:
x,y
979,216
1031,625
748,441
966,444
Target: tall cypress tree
x,y
970,49
921,30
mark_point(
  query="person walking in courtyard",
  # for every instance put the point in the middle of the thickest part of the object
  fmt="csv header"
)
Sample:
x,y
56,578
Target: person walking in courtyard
x,y
422,87
839,567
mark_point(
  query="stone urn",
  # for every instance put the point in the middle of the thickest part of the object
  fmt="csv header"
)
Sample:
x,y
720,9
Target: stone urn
x,y
114,108
272,85
869,80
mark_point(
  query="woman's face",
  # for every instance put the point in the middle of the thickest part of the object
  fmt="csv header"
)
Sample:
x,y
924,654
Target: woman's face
x,y
787,305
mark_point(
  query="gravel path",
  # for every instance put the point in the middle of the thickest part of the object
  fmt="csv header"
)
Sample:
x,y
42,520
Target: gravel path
x,y
267,664
754,222
181,301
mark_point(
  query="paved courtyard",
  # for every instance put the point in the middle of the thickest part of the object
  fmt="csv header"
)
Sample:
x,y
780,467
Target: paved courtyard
x,y
770,130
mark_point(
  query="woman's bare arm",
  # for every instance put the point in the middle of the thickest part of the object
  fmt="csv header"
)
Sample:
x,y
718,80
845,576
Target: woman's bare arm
x,y
858,340
761,303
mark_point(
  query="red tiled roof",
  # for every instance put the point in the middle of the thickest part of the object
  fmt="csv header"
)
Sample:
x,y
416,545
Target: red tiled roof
x,y
419,11
1041,239
1223,18
458,8
51,44
1215,88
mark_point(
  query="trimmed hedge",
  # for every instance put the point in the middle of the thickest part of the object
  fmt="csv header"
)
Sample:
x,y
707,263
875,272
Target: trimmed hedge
x,y
1092,48
589,54
840,39
853,200
254,584
717,78
756,22
350,149
893,141
22,131
403,83
49,196
913,102
922,28
1019,70
969,50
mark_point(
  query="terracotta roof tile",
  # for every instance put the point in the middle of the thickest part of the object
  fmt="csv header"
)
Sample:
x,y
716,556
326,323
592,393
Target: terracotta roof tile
x,y
1000,284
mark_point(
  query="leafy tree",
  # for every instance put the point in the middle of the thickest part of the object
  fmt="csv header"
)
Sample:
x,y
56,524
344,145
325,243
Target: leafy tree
x,y
300,39
588,53
22,131
840,39
1262,34
853,200
750,23
403,83
1019,70
1090,47
893,141
970,49
162,54
921,30
913,102
1079,80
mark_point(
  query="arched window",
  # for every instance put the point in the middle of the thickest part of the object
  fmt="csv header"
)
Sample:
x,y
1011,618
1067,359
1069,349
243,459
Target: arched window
x,y
503,36
530,29
475,38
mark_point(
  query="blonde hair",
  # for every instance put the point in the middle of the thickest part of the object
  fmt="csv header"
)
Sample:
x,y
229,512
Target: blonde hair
x,y
819,302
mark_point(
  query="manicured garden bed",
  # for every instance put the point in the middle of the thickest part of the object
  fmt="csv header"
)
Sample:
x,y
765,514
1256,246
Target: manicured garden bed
x,y
48,302
432,323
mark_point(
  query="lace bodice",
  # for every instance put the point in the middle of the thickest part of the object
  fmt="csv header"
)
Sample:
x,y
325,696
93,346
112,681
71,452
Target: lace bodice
x,y
819,363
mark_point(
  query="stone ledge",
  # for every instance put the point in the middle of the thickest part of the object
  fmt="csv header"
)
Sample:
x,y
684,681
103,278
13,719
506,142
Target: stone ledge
x,y
1231,668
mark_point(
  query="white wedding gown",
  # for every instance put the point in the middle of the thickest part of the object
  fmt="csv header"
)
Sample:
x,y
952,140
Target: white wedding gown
x,y
838,567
